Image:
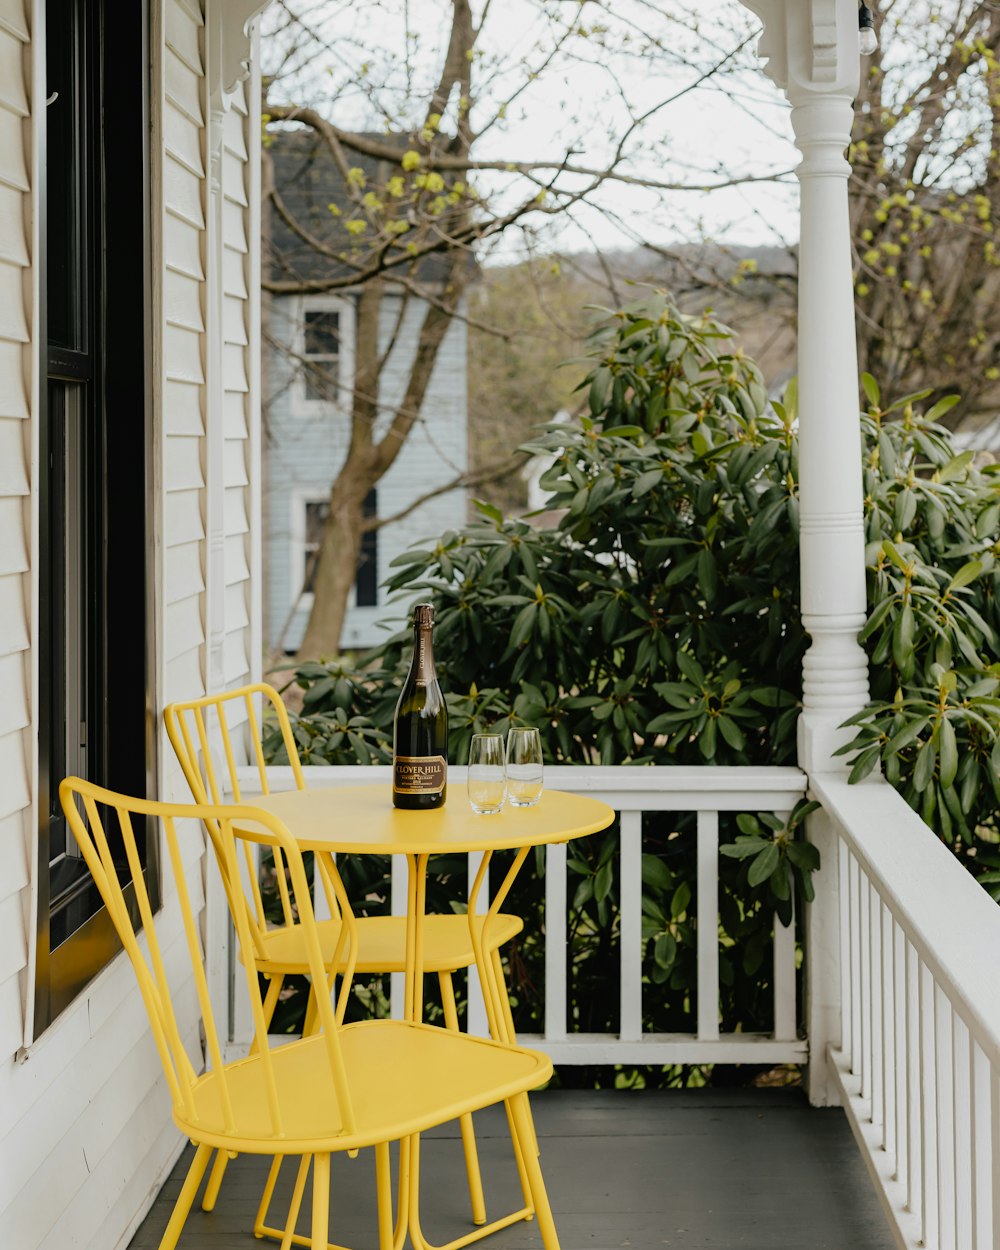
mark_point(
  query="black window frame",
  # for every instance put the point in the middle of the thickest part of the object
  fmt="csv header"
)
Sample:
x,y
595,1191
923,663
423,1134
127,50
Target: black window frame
x,y
95,652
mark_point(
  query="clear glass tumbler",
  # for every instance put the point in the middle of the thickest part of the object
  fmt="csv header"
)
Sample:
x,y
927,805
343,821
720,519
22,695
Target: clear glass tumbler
x,y
487,774
524,766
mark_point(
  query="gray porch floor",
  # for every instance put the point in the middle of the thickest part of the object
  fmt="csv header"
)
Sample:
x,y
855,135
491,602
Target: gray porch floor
x,y
754,1169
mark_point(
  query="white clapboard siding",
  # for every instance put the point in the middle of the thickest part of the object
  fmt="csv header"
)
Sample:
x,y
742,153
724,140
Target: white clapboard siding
x,y
184,350
15,874
182,521
236,372
85,1129
13,371
15,549
32,1201
13,241
13,459
13,170
13,89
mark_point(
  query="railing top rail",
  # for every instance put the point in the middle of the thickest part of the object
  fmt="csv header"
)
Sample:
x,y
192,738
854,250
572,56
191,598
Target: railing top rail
x,y
950,920
626,788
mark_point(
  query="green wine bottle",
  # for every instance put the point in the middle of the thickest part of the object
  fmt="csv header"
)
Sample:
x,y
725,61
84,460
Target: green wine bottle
x,y
420,726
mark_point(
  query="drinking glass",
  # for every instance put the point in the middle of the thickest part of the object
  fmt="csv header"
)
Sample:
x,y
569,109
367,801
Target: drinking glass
x,y
524,766
487,775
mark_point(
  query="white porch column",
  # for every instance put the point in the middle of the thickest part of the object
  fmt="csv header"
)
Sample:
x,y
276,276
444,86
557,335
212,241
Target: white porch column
x,y
812,52
231,57
811,48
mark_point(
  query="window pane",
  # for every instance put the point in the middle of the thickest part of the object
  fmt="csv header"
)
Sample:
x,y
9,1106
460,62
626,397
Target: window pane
x,y
316,513
366,580
66,140
322,333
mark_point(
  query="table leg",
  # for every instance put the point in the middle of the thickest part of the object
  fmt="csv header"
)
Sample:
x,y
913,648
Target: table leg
x,y
416,895
495,993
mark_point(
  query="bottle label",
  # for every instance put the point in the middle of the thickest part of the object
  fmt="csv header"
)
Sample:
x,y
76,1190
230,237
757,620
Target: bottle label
x,y
419,774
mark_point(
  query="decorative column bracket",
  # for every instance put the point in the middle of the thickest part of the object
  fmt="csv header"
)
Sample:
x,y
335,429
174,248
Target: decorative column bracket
x,y
810,46
229,38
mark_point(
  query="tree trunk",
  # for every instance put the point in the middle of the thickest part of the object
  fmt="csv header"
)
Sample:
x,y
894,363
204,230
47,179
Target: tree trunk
x,y
368,461
336,564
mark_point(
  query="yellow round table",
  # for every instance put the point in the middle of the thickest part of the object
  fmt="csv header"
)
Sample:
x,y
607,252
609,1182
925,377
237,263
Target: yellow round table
x,y
361,819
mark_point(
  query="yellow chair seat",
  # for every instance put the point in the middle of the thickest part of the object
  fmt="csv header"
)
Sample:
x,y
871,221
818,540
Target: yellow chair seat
x,y
382,943
404,1078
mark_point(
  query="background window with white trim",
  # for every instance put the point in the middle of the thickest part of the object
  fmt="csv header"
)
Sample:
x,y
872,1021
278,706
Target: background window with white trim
x,y
365,594
321,352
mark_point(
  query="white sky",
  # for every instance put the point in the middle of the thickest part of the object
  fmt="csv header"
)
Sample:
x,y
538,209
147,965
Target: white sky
x,y
702,137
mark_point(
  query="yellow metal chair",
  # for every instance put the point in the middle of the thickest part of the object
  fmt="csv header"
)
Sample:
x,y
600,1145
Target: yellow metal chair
x,y
230,721
344,1087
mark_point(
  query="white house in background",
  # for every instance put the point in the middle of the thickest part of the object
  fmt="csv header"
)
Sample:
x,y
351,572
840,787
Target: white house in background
x,y
309,370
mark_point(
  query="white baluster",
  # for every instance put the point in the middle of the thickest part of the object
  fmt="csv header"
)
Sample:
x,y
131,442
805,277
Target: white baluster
x,y
914,1112
555,943
928,1111
962,1131
888,1021
708,925
478,1023
944,1077
397,907
979,1133
630,925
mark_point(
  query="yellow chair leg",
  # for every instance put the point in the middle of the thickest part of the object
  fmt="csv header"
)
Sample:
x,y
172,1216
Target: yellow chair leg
x,y
546,1225
215,1180
321,1202
508,1016
403,1203
185,1199
522,1174
295,1205
465,1122
222,1157
383,1185
265,1198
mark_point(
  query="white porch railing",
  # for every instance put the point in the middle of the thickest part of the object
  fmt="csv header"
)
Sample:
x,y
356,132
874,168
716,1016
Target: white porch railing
x,y
632,791
918,1063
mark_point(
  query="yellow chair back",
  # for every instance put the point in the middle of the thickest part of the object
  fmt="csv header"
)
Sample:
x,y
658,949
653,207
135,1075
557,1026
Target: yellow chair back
x,y
229,722
101,818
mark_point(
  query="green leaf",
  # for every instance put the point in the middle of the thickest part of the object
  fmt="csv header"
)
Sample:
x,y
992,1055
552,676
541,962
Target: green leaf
x,y
947,753
956,466
870,388
942,406
743,848
680,901
902,641
863,765
923,770
600,388
655,873
665,950
645,482
966,575
909,733
765,864
803,855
